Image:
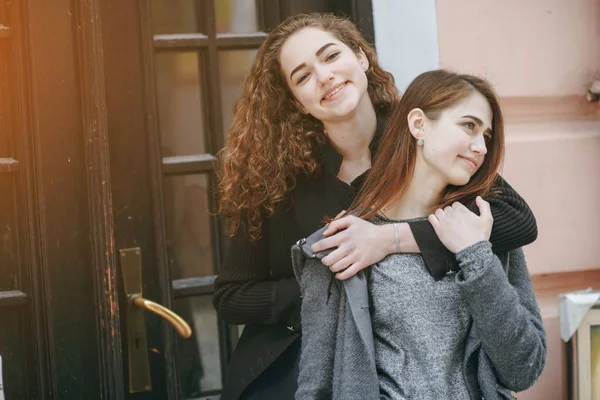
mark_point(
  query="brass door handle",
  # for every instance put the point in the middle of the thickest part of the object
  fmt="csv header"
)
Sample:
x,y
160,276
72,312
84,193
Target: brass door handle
x,y
137,343
182,327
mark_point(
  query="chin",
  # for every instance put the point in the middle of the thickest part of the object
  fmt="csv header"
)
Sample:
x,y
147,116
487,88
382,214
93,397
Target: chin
x,y
459,180
346,108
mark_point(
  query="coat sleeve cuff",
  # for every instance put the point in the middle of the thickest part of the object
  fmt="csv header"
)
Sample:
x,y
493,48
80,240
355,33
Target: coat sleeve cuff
x,y
473,260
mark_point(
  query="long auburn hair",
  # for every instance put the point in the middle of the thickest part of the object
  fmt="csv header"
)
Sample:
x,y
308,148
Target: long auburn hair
x,y
270,142
432,92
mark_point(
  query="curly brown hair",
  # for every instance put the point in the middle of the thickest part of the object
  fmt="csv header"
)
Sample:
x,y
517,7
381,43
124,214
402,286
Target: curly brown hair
x,y
270,142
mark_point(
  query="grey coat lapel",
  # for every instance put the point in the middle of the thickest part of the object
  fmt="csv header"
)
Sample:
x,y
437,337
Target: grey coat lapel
x,y
357,292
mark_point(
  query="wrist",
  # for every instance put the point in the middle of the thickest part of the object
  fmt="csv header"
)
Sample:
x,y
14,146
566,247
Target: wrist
x,y
388,238
408,244
470,244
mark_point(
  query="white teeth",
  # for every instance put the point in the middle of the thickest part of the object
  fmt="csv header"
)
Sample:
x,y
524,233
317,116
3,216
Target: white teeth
x,y
335,91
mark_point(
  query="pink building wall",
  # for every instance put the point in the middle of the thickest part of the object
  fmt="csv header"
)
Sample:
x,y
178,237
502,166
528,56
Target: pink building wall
x,y
546,52
526,48
541,55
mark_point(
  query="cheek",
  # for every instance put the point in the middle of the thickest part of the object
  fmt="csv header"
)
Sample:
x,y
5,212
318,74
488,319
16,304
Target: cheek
x,y
304,95
360,78
439,152
450,145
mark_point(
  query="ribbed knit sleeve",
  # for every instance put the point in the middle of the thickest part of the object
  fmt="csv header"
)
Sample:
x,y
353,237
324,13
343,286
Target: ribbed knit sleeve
x,y
514,227
514,222
245,293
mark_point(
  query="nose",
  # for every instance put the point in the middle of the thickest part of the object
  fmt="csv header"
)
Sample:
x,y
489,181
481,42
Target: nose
x,y
478,146
324,75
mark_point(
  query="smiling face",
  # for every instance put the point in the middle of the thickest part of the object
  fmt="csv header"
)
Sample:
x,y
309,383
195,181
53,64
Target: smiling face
x,y
327,77
455,142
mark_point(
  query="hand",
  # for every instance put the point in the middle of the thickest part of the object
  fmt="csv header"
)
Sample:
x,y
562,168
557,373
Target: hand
x,y
359,245
458,228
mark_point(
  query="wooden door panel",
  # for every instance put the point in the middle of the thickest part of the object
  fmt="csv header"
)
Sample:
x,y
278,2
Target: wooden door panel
x,y
85,170
16,319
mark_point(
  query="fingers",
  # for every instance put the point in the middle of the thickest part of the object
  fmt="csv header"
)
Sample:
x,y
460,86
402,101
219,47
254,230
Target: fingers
x,y
434,221
459,206
484,208
340,215
337,260
327,243
339,224
350,271
340,262
440,214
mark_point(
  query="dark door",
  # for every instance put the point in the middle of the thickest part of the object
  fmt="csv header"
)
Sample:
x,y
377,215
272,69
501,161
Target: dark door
x,y
111,113
171,84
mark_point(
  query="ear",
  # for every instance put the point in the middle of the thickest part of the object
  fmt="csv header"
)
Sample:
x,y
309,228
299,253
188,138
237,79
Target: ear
x,y
362,59
416,122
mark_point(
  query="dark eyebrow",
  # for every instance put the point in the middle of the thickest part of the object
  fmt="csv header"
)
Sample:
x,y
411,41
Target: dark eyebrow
x,y
322,49
298,68
318,53
478,121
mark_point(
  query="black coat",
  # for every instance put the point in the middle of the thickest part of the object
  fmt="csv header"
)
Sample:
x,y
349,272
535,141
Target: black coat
x,y
256,285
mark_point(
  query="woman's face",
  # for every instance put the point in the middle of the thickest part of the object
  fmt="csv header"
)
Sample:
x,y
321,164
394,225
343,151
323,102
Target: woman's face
x,y
455,144
327,78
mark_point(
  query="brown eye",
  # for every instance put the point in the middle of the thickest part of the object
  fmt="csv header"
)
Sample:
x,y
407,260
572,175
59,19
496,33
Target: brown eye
x,y
331,56
302,79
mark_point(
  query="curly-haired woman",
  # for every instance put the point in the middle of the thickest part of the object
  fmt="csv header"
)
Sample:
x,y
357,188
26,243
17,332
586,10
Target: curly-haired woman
x,y
301,141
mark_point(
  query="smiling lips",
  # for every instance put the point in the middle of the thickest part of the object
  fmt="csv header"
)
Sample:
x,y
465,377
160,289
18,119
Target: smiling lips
x,y
471,161
333,91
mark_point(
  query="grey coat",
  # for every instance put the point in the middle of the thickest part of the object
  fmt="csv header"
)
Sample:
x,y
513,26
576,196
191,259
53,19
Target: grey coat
x,y
505,348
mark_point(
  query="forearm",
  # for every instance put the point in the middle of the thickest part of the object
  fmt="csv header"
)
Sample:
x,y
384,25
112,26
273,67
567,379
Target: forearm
x,y
258,302
514,222
505,314
245,293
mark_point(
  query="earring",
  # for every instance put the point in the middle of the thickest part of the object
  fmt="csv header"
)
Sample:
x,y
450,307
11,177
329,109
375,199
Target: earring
x,y
420,142
365,68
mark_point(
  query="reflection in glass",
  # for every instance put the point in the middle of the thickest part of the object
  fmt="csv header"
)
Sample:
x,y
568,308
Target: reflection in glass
x,y
180,105
174,16
199,362
236,16
188,226
234,67
595,358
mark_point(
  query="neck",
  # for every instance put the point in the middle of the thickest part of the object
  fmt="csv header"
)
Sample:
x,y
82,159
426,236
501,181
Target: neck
x,y
351,136
422,195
